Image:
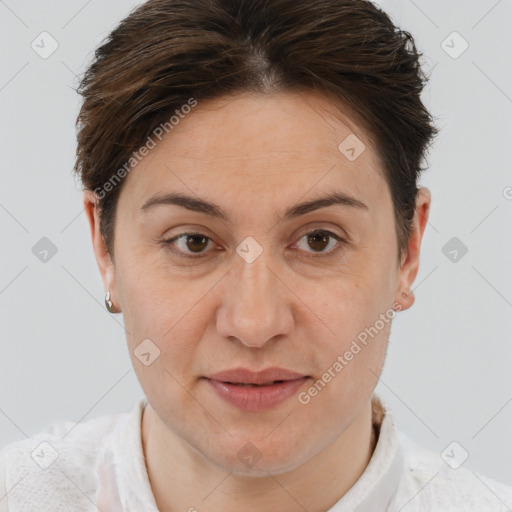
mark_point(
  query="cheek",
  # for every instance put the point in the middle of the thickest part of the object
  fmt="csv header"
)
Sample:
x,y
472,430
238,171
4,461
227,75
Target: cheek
x,y
344,305
147,291
169,311
352,321
156,310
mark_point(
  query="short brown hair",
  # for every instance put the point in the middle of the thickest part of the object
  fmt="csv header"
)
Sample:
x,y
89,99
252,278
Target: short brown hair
x,y
166,52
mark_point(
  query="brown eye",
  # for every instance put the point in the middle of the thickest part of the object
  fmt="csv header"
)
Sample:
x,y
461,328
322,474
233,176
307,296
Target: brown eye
x,y
196,243
319,241
188,245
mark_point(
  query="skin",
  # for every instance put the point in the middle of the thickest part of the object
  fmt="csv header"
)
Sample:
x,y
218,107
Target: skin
x,y
255,156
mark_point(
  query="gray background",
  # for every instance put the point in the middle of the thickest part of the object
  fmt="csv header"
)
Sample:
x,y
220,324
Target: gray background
x,y
447,376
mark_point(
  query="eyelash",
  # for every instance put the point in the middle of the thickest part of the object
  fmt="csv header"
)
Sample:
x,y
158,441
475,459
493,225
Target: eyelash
x,y
168,244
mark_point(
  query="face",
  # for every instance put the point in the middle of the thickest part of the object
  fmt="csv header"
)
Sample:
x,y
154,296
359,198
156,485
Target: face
x,y
263,285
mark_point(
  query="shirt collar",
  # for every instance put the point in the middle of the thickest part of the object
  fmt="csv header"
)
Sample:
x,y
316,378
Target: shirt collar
x,y
128,468
376,487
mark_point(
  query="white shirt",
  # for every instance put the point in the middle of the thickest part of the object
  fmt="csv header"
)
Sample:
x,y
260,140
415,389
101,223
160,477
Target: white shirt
x,y
101,462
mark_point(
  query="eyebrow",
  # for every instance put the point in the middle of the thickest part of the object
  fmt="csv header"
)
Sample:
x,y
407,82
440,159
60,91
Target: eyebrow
x,y
202,206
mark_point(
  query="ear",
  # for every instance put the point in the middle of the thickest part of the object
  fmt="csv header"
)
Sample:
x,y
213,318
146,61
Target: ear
x,y
409,268
103,259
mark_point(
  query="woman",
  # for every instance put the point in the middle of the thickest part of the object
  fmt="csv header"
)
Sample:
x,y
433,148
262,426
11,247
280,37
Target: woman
x,y
250,176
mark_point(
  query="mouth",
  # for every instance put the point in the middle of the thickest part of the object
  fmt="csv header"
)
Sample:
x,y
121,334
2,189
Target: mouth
x,y
256,391
248,385
246,377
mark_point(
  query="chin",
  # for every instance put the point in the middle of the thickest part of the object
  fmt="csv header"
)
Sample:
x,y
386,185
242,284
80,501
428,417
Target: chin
x,y
260,470
250,462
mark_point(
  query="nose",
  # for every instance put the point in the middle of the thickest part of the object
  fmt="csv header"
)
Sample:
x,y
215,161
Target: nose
x,y
256,305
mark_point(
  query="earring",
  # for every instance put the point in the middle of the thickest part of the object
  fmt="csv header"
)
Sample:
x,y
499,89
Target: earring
x,y
108,303
404,295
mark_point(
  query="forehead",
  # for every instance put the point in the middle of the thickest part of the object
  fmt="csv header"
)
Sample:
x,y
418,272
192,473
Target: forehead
x,y
280,147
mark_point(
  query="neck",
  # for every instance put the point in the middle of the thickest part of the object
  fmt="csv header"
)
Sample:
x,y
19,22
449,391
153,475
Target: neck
x,y
184,480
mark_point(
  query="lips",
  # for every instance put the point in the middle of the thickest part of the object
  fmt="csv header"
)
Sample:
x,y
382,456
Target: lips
x,y
245,377
256,391
245,384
